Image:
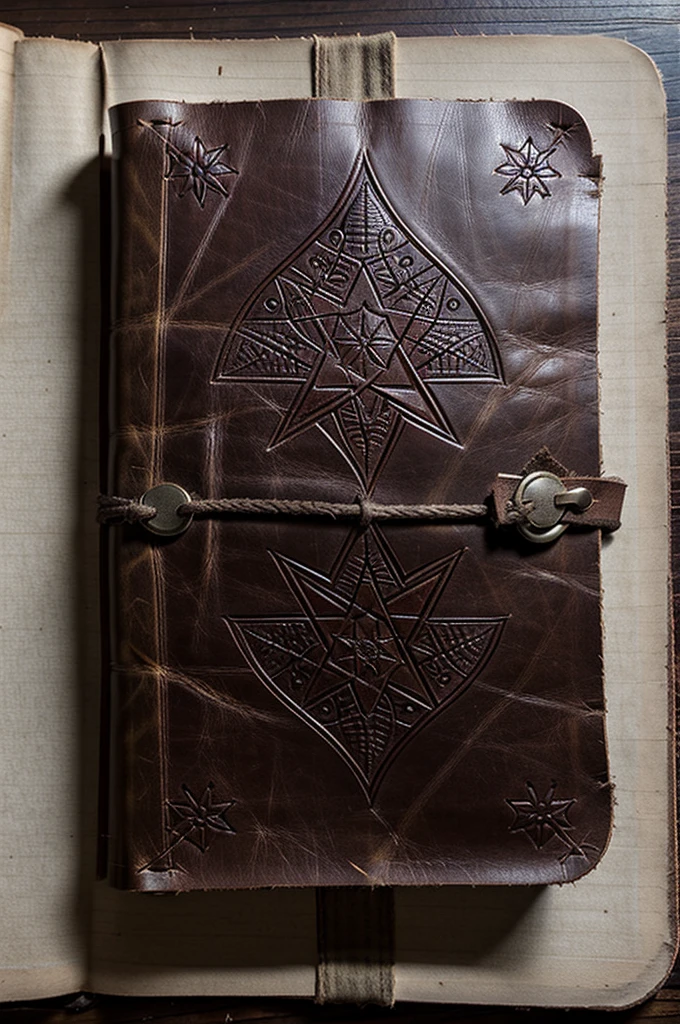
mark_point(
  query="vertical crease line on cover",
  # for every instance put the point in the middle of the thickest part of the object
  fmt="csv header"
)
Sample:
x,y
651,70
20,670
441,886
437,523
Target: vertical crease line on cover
x,y
355,926
355,933
354,67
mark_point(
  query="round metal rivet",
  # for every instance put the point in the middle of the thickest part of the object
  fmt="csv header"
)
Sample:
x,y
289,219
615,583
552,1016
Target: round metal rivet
x,y
166,499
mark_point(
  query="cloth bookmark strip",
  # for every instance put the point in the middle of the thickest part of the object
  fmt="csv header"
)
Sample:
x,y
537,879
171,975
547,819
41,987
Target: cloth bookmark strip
x,y
354,67
355,935
355,926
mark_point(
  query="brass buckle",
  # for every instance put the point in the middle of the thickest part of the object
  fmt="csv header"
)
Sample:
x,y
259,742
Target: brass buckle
x,y
544,499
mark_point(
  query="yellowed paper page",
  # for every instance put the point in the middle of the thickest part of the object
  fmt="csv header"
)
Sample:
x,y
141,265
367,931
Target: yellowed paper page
x,y
608,939
198,72
8,37
43,614
247,943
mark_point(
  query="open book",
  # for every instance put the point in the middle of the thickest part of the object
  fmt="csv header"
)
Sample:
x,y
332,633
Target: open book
x,y
607,939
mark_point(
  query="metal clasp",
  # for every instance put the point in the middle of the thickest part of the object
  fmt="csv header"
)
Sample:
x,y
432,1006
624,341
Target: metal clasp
x,y
544,499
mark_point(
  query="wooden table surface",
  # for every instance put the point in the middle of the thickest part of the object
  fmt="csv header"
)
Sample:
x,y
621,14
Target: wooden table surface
x,y
653,25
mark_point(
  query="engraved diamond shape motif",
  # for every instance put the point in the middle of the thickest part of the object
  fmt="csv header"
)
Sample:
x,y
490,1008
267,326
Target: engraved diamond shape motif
x,y
365,660
370,324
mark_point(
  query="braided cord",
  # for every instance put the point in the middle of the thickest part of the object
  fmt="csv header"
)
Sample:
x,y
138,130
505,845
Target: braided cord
x,y
125,510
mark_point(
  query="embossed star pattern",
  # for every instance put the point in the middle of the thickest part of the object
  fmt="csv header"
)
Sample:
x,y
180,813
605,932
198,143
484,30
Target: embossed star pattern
x,y
196,818
368,324
365,660
541,818
527,168
197,169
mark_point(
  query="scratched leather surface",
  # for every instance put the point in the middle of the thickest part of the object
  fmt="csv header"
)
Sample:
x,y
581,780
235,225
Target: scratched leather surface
x,y
320,299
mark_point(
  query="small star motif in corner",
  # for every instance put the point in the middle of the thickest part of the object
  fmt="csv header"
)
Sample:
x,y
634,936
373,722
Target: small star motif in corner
x,y
199,170
196,818
542,818
527,168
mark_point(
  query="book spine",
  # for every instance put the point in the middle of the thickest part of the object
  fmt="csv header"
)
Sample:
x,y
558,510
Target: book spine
x,y
138,678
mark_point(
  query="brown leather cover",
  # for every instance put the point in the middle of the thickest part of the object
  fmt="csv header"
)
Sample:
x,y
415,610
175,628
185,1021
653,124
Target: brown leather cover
x,y
323,299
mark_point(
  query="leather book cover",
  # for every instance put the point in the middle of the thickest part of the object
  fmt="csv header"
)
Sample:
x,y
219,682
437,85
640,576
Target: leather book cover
x,y
386,303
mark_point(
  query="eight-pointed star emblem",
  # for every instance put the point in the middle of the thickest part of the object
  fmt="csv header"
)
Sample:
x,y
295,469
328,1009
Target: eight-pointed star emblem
x,y
541,818
365,659
527,168
368,324
195,818
196,168
545,818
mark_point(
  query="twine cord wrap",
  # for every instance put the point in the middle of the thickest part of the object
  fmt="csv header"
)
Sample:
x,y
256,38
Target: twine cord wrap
x,y
365,511
122,510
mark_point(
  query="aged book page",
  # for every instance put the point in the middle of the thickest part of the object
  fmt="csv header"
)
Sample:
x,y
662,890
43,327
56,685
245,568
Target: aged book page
x,y
606,940
49,642
8,37
612,931
48,545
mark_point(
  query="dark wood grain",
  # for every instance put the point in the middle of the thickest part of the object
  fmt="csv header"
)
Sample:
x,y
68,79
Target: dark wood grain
x,y
105,20
666,1006
653,26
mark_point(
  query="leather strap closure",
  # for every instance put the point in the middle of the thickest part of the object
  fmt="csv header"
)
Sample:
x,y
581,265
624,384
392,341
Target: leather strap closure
x,y
603,512
539,503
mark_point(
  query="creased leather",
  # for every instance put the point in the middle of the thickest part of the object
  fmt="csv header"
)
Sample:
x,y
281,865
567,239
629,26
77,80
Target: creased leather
x,y
325,300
